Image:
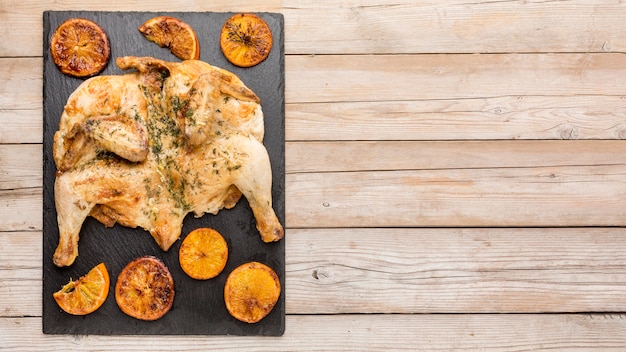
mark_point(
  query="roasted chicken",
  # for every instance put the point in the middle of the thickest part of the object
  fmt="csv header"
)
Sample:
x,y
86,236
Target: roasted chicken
x,y
146,148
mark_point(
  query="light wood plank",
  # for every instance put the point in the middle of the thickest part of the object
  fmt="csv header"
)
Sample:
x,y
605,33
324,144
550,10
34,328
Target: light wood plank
x,y
306,157
380,26
572,97
490,333
319,79
510,183
338,271
509,117
22,82
505,183
21,166
21,126
455,270
22,209
358,78
521,117
581,117
376,26
529,117
541,196
20,273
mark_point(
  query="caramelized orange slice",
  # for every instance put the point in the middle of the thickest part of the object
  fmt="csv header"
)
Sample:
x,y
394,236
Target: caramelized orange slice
x,y
251,292
80,47
170,32
145,289
246,39
86,294
203,254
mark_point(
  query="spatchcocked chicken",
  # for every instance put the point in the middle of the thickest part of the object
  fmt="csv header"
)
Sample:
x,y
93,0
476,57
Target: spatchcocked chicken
x,y
146,148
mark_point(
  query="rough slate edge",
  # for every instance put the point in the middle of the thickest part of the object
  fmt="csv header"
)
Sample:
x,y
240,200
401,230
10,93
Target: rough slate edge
x,y
118,245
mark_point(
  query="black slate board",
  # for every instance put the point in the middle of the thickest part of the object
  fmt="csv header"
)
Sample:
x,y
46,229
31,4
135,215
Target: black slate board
x,y
199,305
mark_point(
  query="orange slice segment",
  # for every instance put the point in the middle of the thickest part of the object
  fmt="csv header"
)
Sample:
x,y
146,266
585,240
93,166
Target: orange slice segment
x,y
86,294
145,289
80,47
203,254
170,32
246,39
251,292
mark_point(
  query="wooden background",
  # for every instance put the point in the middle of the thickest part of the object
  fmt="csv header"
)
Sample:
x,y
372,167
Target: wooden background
x,y
456,176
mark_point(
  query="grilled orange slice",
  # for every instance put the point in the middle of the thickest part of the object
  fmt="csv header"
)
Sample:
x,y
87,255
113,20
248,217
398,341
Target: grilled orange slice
x,y
203,254
145,289
170,32
251,292
80,47
86,294
246,39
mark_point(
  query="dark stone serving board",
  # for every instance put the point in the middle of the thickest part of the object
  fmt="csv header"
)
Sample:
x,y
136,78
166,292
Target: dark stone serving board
x,y
199,307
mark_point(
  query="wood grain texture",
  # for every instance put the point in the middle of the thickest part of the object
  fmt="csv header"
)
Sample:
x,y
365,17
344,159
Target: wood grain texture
x,y
409,271
451,184
541,196
20,166
364,27
20,274
441,332
21,209
444,97
22,78
507,117
521,117
503,183
350,78
313,157
456,270
21,126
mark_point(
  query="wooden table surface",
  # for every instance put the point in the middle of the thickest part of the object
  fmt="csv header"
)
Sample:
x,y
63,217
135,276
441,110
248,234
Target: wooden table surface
x,y
455,176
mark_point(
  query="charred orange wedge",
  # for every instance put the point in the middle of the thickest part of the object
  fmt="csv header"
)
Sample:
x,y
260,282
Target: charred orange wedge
x,y
145,289
170,32
80,47
251,292
246,39
203,254
86,294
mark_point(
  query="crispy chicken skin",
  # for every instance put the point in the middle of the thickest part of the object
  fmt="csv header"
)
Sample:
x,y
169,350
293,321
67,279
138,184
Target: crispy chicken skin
x,y
148,147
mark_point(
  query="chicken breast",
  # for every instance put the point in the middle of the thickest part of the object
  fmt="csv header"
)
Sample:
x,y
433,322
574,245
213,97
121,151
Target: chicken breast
x,y
146,148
